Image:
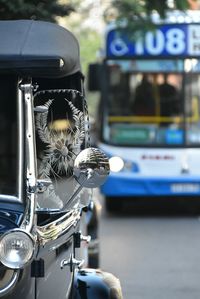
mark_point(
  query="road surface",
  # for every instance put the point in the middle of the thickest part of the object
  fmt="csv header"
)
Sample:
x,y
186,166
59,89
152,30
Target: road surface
x,y
155,255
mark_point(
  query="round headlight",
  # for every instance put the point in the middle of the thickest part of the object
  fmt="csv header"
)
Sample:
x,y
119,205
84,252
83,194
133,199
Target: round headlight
x,y
16,249
116,164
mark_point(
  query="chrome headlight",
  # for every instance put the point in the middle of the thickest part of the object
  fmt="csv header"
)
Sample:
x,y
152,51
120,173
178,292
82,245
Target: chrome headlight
x,y
16,248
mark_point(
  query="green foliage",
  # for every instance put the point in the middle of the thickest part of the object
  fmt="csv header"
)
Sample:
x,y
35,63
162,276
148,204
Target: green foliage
x,y
142,8
137,12
46,10
90,43
156,5
162,6
181,4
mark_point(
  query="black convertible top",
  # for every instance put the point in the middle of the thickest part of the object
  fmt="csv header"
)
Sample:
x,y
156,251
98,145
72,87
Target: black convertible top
x,y
38,48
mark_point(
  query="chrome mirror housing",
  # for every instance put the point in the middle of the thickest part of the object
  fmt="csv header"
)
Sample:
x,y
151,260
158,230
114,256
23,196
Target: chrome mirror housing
x,y
91,168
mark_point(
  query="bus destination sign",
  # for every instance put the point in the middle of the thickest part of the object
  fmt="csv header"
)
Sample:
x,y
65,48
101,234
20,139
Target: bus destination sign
x,y
181,40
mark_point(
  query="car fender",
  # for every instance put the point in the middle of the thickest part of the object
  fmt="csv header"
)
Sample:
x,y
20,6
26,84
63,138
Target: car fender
x,y
96,284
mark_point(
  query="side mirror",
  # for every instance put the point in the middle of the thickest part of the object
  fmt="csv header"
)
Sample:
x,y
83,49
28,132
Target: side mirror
x,y
91,168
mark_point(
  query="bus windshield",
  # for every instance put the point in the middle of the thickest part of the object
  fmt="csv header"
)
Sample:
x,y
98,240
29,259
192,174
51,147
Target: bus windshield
x,y
152,102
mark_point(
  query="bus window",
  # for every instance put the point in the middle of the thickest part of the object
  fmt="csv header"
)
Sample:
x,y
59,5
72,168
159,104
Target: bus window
x,y
144,108
143,103
118,92
169,97
192,108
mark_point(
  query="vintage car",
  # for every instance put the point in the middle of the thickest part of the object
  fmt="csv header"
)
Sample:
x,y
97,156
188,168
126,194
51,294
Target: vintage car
x,y
47,169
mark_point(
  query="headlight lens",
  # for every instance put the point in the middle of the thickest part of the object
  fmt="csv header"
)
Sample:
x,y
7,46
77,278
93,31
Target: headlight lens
x,y
116,164
16,249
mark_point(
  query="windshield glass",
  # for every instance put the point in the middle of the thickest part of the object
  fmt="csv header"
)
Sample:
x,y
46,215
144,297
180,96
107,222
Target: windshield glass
x,y
152,108
8,136
60,135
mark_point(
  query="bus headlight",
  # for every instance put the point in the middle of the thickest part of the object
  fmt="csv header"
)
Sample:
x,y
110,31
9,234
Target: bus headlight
x,y
116,164
16,249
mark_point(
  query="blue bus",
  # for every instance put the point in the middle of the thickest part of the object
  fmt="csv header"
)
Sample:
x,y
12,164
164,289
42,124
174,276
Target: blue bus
x,y
149,111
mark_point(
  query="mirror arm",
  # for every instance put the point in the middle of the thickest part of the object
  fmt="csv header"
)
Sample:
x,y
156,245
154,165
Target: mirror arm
x,y
89,173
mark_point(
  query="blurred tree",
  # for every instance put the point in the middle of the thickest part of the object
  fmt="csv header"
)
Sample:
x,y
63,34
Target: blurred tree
x,y
90,44
47,10
88,26
137,13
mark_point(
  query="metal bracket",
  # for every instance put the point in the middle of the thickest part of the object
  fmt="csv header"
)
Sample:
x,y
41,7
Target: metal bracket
x,y
86,239
37,268
42,184
78,238
72,262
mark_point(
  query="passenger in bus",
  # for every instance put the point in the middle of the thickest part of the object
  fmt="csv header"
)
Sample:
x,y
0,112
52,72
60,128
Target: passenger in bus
x,y
144,104
169,98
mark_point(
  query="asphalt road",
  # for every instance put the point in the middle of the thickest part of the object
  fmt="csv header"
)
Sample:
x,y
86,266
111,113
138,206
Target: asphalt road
x,y
155,252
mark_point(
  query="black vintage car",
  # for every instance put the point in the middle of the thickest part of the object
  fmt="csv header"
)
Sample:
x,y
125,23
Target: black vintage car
x,y
47,169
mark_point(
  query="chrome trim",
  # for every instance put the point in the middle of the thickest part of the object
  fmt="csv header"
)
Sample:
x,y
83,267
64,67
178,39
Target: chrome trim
x,y
57,228
11,284
30,136
29,215
21,142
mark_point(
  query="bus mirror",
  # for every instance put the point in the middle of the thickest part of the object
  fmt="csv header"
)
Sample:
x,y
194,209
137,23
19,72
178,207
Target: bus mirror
x,y
94,77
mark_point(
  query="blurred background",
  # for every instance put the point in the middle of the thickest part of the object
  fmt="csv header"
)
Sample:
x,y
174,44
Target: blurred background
x,y
148,210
